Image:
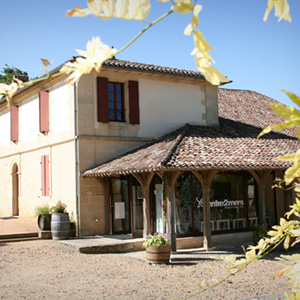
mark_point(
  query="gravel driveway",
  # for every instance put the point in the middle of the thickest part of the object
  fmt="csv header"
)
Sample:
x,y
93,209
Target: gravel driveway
x,y
45,269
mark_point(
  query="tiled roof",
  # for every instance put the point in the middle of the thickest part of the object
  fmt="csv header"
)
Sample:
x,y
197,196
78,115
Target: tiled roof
x,y
248,107
134,66
230,146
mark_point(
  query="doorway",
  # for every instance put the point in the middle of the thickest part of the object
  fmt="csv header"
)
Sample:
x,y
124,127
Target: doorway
x,y
126,206
15,190
158,207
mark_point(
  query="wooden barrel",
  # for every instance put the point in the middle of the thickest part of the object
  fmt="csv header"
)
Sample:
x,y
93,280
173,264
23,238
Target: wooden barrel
x,y
60,226
44,222
158,254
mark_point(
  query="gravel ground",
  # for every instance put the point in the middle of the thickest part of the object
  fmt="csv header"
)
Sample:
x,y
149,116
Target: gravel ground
x,y
46,269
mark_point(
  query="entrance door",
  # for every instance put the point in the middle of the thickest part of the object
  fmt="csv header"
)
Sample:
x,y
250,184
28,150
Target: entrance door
x,y
158,217
15,190
120,206
137,224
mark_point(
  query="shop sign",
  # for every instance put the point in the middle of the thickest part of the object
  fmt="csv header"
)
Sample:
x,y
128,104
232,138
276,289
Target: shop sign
x,y
222,203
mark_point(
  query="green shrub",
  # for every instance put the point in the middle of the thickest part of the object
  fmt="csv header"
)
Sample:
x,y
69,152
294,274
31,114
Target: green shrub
x,y
156,240
42,210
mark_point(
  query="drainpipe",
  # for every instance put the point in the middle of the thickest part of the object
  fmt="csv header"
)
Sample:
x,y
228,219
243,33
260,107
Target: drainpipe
x,y
78,231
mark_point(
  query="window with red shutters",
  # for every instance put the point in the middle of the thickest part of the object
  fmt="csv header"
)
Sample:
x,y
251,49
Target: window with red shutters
x,y
111,101
45,175
14,123
44,111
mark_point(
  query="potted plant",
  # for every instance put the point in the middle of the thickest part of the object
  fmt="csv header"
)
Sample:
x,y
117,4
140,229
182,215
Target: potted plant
x,y
43,212
260,232
60,223
158,249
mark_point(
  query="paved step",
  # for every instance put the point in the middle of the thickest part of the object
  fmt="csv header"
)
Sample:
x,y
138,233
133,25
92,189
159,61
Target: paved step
x,y
18,237
19,240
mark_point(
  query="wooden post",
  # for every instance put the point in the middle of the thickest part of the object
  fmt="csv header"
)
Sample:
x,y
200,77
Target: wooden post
x,y
261,179
171,215
146,211
207,242
145,180
205,179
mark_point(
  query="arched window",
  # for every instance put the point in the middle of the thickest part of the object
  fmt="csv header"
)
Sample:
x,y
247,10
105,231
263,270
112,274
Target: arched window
x,y
189,205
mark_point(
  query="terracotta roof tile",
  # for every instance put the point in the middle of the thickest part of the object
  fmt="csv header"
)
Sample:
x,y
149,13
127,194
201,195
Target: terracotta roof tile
x,y
134,66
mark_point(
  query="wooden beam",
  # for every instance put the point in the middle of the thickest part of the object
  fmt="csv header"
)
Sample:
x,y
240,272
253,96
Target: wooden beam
x,y
261,179
145,180
169,181
206,179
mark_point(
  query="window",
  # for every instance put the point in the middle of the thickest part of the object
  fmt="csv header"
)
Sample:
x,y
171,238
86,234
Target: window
x,y
111,101
233,202
45,175
116,101
188,209
44,111
14,123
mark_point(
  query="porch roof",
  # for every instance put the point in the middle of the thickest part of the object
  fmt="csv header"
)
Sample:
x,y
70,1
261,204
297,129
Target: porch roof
x,y
230,146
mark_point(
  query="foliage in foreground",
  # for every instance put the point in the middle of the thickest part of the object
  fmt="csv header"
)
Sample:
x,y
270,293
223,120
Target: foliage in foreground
x,y
97,52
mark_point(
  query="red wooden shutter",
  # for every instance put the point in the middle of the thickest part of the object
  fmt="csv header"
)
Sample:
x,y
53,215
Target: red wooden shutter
x,y
102,99
45,176
44,111
14,123
134,109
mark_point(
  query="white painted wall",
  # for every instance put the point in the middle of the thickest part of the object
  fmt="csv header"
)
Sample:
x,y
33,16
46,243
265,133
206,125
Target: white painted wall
x,y
32,144
29,120
61,112
4,128
165,106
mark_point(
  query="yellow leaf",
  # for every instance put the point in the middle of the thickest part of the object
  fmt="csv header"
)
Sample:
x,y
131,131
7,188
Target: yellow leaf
x,y
286,243
287,112
282,10
45,62
78,12
183,6
293,97
292,173
195,21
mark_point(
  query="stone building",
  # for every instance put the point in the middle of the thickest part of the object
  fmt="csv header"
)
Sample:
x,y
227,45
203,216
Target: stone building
x,y
142,149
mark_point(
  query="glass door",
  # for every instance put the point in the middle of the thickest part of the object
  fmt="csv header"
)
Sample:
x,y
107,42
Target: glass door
x,y
120,206
137,209
158,207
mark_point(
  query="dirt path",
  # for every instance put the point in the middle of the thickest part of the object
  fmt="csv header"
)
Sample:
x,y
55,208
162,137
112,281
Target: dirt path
x,y
51,270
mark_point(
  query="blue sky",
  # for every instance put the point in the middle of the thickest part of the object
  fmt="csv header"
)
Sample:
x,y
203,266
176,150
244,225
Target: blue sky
x,y
258,56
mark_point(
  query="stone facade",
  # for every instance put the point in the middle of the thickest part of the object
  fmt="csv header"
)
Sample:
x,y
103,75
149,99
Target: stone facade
x,y
76,141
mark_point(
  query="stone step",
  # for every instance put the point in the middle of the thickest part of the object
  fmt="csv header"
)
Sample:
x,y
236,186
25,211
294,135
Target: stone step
x,y
18,237
19,240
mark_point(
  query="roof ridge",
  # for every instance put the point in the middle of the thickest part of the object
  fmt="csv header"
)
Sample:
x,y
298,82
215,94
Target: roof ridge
x,y
178,141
